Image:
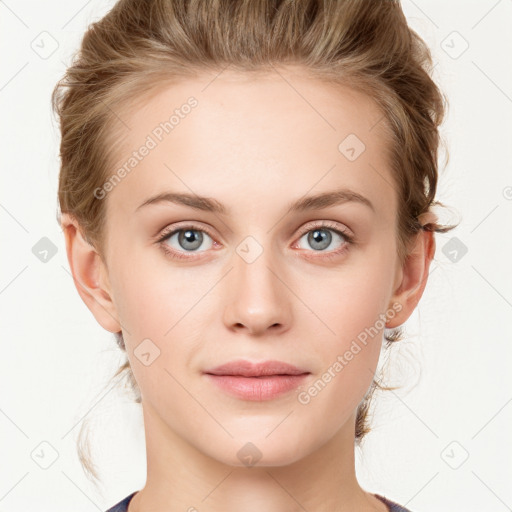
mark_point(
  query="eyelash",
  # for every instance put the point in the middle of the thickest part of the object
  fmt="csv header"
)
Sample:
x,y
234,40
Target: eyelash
x,y
168,233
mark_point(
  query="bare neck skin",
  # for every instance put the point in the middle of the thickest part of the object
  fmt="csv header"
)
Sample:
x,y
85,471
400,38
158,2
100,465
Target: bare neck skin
x,y
181,478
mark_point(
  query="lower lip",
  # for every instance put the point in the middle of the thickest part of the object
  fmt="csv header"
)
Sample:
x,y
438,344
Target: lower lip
x,y
257,388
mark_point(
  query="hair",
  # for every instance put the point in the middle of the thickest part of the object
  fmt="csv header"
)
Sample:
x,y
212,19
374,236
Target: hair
x,y
140,46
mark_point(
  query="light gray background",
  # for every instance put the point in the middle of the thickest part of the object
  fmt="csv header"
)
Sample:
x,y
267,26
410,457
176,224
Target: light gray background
x,y
441,443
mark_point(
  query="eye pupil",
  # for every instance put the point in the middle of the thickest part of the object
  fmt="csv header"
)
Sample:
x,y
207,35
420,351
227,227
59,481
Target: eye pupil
x,y
321,236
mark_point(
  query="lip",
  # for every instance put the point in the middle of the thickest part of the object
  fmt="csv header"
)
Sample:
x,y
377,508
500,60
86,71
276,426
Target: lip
x,y
244,368
256,381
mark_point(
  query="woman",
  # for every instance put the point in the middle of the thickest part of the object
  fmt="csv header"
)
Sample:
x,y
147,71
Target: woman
x,y
246,193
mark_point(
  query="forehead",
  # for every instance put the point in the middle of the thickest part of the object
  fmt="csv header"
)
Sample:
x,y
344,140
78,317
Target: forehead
x,y
254,132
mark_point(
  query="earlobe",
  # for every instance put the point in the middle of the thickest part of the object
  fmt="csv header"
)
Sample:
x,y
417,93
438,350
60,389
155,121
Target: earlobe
x,y
414,275
89,275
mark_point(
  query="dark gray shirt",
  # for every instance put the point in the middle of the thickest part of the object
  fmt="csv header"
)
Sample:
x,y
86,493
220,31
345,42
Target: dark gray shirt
x,y
122,506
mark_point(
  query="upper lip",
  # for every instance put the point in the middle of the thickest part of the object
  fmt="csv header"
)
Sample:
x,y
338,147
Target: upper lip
x,y
248,369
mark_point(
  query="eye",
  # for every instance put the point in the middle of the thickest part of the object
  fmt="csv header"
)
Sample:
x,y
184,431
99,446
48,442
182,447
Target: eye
x,y
320,237
189,238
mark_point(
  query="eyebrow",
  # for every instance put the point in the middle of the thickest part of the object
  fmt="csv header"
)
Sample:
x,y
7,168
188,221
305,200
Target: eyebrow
x,y
314,202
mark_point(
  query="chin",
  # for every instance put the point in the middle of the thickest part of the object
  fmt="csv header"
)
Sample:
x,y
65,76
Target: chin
x,y
255,449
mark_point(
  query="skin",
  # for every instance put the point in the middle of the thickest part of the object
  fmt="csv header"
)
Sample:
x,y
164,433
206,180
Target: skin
x,y
254,144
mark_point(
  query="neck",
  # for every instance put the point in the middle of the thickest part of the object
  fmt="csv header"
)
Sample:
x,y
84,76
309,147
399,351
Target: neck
x,y
180,477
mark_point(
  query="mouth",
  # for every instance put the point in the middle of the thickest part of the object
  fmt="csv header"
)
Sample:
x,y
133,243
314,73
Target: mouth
x,y
257,381
244,368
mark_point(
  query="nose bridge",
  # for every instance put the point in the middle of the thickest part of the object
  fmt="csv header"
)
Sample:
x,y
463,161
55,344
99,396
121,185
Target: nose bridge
x,y
257,297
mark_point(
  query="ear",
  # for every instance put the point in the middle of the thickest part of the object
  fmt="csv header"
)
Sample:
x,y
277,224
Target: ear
x,y
89,275
412,276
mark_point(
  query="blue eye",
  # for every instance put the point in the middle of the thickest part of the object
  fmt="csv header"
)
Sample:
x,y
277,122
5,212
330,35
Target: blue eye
x,y
321,238
189,239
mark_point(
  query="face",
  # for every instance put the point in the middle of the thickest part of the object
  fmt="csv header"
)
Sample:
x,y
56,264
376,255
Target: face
x,y
195,287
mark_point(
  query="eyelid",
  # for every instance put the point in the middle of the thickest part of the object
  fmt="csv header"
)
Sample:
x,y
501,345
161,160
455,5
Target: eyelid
x,y
347,233
169,230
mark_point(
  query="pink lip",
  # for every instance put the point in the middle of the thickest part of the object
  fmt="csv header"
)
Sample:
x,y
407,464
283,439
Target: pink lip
x,y
256,381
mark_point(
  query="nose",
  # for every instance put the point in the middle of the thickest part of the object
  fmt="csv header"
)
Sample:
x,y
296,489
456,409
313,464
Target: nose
x,y
258,299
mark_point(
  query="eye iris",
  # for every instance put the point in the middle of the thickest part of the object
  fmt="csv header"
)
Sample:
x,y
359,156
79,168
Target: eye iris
x,y
315,236
190,236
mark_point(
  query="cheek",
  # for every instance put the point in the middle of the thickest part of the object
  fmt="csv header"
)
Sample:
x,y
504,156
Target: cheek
x,y
151,296
349,302
156,314
355,313
163,305
352,353
350,312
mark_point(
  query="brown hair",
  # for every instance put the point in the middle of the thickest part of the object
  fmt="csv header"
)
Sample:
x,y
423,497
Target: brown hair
x,y
140,46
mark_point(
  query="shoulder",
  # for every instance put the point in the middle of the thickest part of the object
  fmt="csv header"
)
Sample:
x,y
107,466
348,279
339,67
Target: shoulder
x,y
393,507
122,506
